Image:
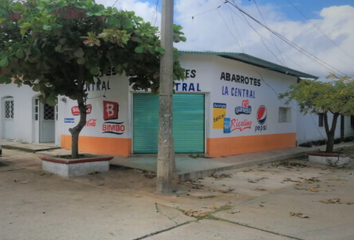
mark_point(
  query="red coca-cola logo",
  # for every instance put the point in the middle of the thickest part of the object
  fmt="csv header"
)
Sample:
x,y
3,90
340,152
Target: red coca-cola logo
x,y
245,103
76,111
91,123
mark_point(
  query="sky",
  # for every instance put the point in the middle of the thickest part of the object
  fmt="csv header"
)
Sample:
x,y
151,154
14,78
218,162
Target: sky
x,y
319,34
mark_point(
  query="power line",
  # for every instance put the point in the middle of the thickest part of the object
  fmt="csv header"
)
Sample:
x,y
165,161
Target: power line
x,y
115,3
249,24
261,76
322,63
260,35
227,27
319,29
157,4
253,67
193,16
284,63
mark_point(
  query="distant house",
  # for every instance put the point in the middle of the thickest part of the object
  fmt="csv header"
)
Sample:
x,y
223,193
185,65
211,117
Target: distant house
x,y
227,105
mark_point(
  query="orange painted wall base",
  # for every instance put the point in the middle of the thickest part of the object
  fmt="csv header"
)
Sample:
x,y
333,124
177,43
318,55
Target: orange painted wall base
x,y
217,147
109,146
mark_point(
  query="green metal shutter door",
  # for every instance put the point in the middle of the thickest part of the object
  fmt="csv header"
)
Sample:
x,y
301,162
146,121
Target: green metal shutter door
x,y
188,123
146,123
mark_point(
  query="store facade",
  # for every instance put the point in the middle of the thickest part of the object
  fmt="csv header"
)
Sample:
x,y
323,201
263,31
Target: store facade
x,y
227,105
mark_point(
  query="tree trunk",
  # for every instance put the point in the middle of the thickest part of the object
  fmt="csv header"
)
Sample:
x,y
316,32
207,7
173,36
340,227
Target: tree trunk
x,y
80,97
330,142
75,132
330,131
342,128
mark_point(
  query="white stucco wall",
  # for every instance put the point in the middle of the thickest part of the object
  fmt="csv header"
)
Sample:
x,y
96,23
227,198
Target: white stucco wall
x,y
116,90
204,76
23,130
266,85
309,130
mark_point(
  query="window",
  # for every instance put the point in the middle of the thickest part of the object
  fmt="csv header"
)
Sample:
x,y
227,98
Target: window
x,y
9,109
284,115
320,119
48,112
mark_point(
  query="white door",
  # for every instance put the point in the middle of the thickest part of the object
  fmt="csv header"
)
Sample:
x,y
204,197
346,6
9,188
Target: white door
x,y
46,123
8,125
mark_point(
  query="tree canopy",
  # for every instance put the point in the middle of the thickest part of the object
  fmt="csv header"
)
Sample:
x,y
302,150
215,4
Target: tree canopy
x,y
336,97
58,46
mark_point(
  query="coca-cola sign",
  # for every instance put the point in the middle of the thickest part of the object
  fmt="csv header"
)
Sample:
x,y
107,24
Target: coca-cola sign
x,y
76,111
91,123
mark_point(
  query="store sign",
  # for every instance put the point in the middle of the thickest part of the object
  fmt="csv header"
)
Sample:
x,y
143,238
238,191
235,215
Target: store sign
x,y
244,109
110,110
116,128
188,87
219,113
91,123
98,86
261,118
236,78
69,120
236,124
76,111
238,92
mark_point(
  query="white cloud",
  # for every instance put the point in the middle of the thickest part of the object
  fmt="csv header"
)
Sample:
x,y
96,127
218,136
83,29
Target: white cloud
x,y
225,29
142,9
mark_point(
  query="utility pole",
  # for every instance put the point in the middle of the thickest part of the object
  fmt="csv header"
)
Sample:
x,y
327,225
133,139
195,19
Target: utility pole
x,y
166,155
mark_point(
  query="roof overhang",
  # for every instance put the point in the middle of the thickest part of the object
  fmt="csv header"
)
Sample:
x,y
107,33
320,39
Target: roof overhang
x,y
242,57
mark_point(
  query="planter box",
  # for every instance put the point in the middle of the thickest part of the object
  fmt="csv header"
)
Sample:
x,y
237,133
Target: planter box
x,y
76,167
334,159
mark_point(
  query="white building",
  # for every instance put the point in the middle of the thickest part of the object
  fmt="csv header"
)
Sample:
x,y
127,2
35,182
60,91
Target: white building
x,y
227,105
24,119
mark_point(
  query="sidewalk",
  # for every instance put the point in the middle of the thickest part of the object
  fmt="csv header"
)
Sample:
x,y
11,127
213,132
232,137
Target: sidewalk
x,y
279,201
187,168
194,168
7,144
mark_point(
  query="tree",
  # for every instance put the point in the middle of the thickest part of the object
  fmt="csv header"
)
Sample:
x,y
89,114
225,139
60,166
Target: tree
x,y
59,46
336,97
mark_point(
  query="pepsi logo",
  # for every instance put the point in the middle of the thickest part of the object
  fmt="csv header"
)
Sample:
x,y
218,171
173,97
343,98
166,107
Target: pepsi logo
x,y
262,114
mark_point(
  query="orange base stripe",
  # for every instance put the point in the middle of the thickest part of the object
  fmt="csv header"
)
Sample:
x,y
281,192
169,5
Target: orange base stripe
x,y
217,147
109,146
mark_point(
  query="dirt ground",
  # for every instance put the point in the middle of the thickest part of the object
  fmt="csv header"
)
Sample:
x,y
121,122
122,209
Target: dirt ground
x,y
292,199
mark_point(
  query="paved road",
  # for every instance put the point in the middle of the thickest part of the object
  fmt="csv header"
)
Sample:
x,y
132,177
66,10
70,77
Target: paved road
x,y
291,200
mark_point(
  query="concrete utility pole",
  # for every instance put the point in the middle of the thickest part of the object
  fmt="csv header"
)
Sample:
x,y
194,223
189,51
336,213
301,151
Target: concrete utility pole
x,y
166,155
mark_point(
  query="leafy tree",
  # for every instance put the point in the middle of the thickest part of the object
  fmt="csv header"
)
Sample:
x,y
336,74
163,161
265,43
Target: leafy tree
x,y
336,97
59,46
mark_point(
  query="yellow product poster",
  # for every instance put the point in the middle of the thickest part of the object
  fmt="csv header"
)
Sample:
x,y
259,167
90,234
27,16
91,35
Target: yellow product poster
x,y
219,113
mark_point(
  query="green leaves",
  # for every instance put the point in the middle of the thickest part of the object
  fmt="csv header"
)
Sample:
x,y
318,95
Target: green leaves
x,y
36,88
4,62
95,71
139,49
20,53
47,27
79,53
56,43
81,61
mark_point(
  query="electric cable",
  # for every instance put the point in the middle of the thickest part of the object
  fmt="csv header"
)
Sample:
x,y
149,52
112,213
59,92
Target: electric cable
x,y
311,56
193,16
319,29
284,63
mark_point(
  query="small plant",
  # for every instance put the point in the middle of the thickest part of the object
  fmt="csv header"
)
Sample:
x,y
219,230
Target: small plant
x,y
331,163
